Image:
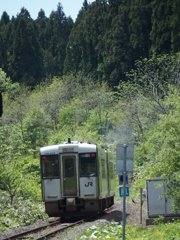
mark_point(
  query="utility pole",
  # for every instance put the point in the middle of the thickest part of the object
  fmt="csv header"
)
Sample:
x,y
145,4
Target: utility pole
x,y
124,192
124,166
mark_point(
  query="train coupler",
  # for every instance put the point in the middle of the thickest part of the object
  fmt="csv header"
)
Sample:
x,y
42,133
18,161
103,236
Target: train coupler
x,y
70,204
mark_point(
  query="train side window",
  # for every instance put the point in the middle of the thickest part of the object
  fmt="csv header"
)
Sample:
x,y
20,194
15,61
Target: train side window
x,y
50,166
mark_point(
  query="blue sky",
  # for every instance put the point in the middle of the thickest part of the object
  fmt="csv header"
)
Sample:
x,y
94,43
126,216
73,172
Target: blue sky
x,y
13,7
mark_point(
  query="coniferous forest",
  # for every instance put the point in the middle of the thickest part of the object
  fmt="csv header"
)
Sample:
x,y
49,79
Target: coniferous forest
x,y
110,77
104,42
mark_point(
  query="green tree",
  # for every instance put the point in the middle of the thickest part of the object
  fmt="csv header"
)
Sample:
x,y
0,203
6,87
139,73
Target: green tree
x,y
118,55
175,32
24,13
41,24
8,44
140,27
154,78
44,32
159,154
73,50
161,30
142,97
4,19
85,48
36,129
4,42
114,6
30,187
26,61
7,86
10,152
58,30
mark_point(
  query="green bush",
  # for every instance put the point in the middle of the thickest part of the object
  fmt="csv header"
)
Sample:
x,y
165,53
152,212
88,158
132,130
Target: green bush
x,y
169,231
21,213
113,232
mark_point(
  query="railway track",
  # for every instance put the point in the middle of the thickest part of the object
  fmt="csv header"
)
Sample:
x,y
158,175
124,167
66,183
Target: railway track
x,y
45,231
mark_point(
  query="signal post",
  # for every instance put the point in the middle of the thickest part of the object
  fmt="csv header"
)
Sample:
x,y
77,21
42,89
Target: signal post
x,y
124,167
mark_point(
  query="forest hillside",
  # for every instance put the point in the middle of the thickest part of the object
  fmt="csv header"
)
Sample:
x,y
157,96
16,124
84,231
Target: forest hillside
x,y
111,77
104,42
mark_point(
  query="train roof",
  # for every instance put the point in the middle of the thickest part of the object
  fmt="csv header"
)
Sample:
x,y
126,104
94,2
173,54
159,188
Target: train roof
x,y
70,147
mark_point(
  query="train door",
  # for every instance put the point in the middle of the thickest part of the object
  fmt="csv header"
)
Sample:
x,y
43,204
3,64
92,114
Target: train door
x,y
69,175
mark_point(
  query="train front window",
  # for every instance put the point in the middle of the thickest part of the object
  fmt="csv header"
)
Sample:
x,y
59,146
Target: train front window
x,y
69,167
50,166
88,165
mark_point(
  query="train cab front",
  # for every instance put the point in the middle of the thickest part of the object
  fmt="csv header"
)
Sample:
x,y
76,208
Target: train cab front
x,y
69,180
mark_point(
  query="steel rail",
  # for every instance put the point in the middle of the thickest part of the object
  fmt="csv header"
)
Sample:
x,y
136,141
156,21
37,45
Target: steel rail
x,y
35,231
24,233
44,236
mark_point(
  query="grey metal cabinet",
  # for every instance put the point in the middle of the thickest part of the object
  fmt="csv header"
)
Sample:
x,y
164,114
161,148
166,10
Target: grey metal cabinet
x,y
156,202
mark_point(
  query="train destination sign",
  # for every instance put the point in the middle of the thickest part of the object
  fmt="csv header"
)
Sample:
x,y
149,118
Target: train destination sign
x,y
68,149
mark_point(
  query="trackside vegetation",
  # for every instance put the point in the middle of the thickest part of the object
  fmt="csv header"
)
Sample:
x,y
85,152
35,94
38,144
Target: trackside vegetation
x,y
21,213
114,232
143,112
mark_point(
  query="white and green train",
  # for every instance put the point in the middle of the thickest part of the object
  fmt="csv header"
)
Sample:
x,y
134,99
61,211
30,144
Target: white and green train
x,y
77,179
